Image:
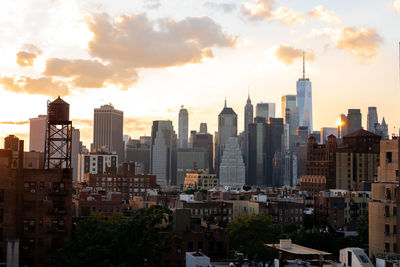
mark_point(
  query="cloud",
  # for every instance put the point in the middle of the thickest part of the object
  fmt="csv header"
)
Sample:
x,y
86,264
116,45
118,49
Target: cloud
x,y
224,7
288,54
82,122
322,14
362,43
287,15
27,56
41,86
132,41
263,10
14,122
136,125
395,5
152,4
90,73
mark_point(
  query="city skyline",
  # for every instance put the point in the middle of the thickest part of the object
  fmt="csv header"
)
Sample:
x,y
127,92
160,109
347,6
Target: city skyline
x,y
344,75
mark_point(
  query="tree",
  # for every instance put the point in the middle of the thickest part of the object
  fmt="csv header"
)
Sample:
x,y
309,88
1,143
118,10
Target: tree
x,y
249,234
363,229
133,241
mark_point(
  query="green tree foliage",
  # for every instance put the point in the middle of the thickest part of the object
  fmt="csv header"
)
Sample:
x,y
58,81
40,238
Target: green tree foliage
x,y
133,241
363,229
249,234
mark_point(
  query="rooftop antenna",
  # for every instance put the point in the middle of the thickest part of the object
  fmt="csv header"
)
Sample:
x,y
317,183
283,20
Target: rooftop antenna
x,y
304,66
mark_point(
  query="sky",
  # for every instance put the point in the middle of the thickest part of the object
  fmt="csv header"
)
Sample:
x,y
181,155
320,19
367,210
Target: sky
x,y
149,57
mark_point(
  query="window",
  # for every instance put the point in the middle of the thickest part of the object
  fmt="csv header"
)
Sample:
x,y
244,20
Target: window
x,y
387,247
387,229
394,229
387,211
29,226
394,211
1,195
388,157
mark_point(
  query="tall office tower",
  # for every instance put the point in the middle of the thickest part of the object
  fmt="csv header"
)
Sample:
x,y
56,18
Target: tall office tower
x,y
37,133
257,152
76,150
108,127
203,128
227,127
290,112
163,153
232,169
302,134
274,138
372,119
11,143
304,100
353,120
343,126
327,131
190,160
192,135
384,129
248,114
139,151
205,141
383,209
183,128
265,110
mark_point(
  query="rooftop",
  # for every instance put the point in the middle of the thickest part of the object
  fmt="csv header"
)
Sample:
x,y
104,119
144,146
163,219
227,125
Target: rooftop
x,y
286,245
361,133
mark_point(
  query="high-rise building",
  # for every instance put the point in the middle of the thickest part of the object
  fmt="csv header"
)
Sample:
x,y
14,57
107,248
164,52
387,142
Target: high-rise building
x,y
384,129
304,100
248,114
76,150
257,152
108,126
163,153
203,128
327,131
227,127
290,112
205,141
372,119
139,151
11,142
183,128
190,160
37,133
191,139
265,110
354,120
232,169
383,210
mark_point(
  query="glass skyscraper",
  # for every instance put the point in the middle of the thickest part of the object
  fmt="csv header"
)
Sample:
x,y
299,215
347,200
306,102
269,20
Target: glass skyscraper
x,y
304,101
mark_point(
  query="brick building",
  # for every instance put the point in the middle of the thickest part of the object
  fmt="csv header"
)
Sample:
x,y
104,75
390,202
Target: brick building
x,y
91,203
287,211
128,183
35,210
313,184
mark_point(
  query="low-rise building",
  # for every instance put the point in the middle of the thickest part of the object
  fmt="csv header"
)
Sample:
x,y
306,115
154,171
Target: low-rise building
x,y
200,181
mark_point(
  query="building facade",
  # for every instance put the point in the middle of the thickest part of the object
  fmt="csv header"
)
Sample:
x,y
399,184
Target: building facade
x,y
37,133
232,170
183,128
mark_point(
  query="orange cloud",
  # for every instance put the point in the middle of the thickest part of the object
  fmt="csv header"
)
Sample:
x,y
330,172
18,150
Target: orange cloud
x,y
136,125
396,5
134,41
363,43
322,14
288,54
14,122
263,9
27,56
90,73
40,86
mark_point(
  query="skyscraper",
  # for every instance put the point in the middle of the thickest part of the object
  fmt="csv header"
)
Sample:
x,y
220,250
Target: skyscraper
x,y
108,126
304,100
163,152
227,127
372,119
203,128
290,113
248,114
257,152
183,128
353,120
232,169
37,133
265,110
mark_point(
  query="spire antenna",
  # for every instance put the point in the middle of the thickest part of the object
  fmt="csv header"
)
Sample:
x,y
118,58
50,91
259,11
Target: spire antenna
x,y
304,66
225,103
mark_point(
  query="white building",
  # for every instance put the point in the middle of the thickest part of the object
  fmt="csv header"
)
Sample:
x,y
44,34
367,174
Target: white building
x,y
232,167
95,163
37,133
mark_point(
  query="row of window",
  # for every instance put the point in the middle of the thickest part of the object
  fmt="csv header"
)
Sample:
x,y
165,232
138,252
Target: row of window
x,y
210,211
124,179
33,187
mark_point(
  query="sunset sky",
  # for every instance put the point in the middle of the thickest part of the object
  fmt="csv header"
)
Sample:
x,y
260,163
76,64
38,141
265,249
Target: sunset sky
x,y
149,57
